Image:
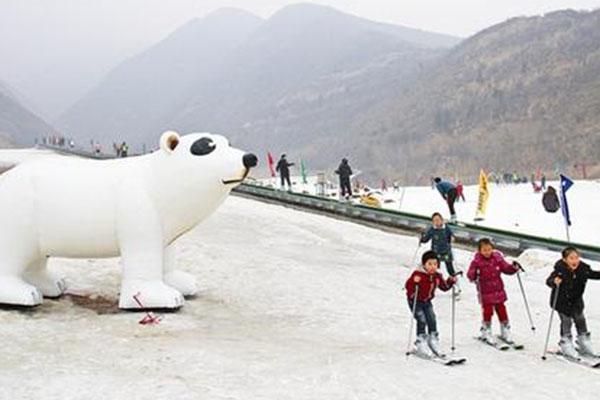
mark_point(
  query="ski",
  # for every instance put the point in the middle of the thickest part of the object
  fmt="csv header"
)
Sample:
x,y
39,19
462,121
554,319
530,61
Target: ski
x,y
497,346
445,360
513,345
585,362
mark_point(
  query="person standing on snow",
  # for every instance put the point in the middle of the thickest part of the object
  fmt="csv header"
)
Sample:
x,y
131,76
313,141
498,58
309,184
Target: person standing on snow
x,y
345,172
283,167
441,241
486,271
543,180
449,193
422,284
568,282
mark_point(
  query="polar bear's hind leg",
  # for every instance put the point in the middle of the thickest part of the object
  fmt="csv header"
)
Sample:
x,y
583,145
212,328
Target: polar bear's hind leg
x,y
15,291
182,281
48,283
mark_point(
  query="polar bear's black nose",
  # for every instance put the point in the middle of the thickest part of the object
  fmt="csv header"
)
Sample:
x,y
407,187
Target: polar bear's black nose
x,y
250,160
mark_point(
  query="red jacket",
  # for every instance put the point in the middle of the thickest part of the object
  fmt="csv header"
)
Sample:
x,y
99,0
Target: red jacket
x,y
427,285
489,273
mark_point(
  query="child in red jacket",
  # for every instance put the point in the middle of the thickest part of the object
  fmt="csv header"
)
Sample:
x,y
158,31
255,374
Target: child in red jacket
x,y
486,270
423,283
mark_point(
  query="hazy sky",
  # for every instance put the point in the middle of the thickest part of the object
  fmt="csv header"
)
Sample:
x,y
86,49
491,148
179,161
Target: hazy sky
x,y
43,42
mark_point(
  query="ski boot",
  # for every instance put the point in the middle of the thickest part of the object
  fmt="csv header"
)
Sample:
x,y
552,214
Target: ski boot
x,y
584,345
434,344
453,219
486,334
421,347
567,348
505,334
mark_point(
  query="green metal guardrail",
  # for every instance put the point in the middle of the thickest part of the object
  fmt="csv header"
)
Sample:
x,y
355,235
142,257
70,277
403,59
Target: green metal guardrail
x,y
466,233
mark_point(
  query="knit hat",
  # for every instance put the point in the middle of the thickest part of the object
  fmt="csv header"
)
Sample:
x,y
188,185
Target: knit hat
x,y
429,255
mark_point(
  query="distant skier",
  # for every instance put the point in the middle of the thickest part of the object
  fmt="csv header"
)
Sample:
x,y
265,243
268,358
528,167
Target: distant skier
x,y
441,241
543,181
426,279
568,282
448,192
283,167
345,172
486,271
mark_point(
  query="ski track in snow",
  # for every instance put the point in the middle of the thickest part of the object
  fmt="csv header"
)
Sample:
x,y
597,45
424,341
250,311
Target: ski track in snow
x,y
292,306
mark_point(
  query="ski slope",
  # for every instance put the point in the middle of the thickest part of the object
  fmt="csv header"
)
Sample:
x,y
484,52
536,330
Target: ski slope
x,y
292,306
511,207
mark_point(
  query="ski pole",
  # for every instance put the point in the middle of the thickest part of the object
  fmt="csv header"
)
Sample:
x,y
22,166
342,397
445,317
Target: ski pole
x,y
453,315
525,298
554,301
410,329
454,310
414,258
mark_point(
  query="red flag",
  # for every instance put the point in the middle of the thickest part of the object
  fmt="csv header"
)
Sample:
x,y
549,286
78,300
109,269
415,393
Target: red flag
x,y
271,164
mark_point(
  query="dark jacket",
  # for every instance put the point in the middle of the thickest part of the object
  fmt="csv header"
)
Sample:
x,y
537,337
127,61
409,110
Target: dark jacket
x,y
570,292
550,200
427,285
441,239
444,187
283,166
344,171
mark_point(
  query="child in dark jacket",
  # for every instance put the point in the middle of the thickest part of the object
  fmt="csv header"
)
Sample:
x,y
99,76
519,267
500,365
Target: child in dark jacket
x,y
441,241
486,270
568,282
422,284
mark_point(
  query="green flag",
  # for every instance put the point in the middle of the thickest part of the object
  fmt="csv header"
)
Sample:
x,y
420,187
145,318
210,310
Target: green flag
x,y
303,172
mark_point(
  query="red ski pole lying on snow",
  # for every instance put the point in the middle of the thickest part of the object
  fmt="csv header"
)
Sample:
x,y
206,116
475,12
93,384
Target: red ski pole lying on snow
x,y
149,318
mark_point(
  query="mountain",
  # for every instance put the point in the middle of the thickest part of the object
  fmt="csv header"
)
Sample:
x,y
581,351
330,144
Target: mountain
x,y
134,99
18,125
519,95
287,82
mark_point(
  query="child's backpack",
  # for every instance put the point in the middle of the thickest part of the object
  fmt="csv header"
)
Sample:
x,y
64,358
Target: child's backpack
x,y
550,200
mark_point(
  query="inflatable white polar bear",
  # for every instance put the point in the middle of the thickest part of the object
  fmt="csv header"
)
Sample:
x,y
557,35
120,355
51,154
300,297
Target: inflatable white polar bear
x,y
133,207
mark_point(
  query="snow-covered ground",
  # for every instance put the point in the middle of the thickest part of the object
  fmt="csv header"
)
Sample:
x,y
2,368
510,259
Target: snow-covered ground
x,y
11,157
292,306
512,207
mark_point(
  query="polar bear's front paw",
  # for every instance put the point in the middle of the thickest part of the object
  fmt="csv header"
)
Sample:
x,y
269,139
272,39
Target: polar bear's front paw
x,y
141,295
183,282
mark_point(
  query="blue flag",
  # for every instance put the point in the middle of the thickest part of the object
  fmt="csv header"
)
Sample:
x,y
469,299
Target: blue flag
x,y
565,184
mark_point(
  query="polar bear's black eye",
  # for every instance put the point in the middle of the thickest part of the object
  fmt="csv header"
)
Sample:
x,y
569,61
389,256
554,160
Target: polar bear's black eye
x,y
203,146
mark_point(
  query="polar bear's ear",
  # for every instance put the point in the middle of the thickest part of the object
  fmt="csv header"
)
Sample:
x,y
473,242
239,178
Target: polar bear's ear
x,y
169,141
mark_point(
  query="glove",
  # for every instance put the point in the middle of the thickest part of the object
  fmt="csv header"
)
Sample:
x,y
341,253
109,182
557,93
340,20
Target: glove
x,y
518,266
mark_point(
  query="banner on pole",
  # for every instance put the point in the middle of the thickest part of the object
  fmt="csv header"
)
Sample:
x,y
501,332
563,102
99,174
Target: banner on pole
x,y
484,195
565,185
271,164
303,172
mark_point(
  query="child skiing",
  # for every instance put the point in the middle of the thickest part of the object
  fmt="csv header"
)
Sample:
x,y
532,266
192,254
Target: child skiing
x,y
568,282
422,284
486,271
441,241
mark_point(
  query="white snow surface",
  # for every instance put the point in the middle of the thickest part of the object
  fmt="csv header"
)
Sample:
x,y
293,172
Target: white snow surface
x,y
11,157
292,306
